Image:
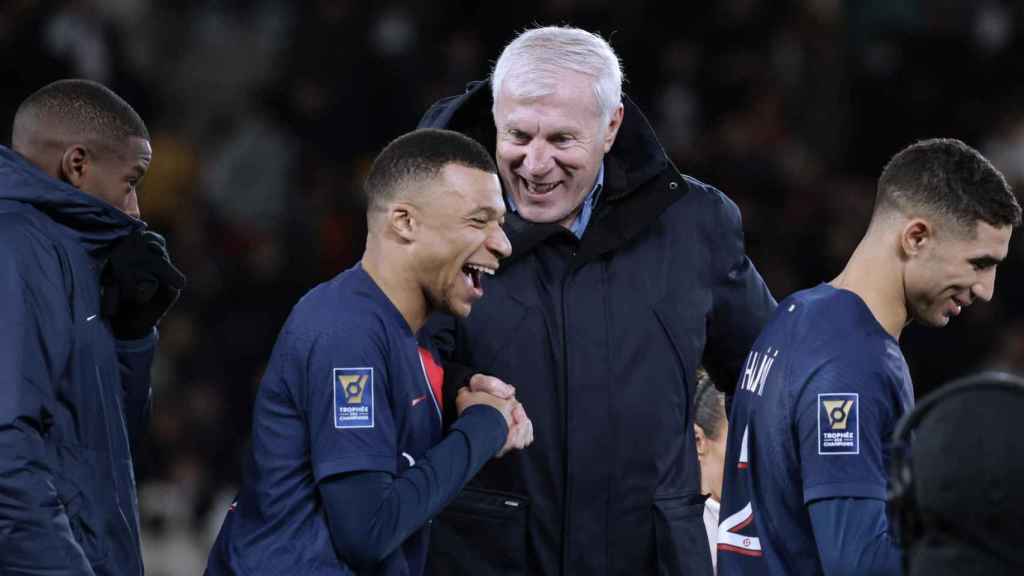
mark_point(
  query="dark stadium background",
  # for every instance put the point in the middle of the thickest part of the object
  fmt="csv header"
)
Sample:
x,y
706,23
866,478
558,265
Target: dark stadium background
x,y
265,114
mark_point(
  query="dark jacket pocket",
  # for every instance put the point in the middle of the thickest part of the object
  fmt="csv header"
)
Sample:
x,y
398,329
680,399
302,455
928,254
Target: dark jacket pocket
x,y
80,493
681,541
480,532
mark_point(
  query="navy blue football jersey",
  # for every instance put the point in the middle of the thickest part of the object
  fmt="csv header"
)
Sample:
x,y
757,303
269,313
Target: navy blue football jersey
x,y
346,390
815,406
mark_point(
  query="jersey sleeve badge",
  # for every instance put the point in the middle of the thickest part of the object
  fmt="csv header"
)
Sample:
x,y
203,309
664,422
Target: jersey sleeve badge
x,y
353,397
838,424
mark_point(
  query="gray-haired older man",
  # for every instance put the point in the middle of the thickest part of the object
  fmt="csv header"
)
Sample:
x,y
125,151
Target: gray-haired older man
x,y
624,277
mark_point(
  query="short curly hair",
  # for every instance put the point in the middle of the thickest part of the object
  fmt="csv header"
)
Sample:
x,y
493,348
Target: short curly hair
x,y
949,179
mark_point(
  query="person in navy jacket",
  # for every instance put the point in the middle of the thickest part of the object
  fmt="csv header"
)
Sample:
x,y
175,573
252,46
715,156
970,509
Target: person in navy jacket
x,y
349,460
82,287
625,276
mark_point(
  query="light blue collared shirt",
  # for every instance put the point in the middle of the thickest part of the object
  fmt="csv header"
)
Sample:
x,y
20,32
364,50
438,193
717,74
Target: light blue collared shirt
x,y
579,224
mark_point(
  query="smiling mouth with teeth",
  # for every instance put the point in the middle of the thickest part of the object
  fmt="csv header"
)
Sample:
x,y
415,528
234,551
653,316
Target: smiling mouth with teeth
x,y
540,187
474,271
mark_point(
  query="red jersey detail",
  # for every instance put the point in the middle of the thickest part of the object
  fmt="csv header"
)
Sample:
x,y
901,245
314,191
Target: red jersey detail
x,y
434,373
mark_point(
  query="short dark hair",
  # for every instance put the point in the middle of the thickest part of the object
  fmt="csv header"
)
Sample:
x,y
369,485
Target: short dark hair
x,y
421,155
86,108
949,179
709,405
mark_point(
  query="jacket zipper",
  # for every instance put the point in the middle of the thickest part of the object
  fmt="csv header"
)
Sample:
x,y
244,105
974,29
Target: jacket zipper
x,y
566,468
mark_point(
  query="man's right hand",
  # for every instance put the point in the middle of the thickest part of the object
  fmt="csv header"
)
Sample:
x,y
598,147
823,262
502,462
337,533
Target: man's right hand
x,y
493,392
520,434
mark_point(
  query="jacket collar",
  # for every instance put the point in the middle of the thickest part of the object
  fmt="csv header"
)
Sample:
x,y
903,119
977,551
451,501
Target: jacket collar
x,y
92,222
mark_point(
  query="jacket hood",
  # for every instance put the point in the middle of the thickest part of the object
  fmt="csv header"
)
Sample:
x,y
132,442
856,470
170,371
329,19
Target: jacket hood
x,y
636,149
94,223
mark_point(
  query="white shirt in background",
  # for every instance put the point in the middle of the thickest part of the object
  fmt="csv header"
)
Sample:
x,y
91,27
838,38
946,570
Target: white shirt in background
x,y
711,525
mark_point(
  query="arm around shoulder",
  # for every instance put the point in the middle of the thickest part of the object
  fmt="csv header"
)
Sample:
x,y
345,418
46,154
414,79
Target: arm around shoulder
x,y
741,301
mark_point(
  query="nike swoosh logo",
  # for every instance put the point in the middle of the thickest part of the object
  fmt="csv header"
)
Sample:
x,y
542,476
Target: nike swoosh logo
x,y
91,318
419,399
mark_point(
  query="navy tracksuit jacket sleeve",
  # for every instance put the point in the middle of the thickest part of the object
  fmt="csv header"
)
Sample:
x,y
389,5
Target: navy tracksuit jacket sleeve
x,y
135,357
370,514
853,537
35,536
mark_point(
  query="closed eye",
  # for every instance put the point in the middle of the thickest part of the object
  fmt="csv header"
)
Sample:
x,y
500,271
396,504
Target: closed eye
x,y
519,135
983,263
135,185
134,178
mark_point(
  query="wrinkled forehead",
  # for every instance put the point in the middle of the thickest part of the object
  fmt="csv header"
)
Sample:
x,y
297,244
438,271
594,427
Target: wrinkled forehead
x,y
547,118
572,94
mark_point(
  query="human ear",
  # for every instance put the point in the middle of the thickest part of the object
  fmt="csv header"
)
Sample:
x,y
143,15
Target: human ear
x,y
74,165
402,220
612,129
701,440
916,236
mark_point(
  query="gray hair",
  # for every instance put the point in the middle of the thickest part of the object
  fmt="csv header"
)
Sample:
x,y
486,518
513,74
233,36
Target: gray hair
x,y
709,406
537,59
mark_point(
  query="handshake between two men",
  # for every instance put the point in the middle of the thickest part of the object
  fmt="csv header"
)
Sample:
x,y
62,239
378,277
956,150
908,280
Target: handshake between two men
x,y
483,389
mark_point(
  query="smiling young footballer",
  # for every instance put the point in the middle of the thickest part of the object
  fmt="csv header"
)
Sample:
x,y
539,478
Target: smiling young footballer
x,y
825,382
348,460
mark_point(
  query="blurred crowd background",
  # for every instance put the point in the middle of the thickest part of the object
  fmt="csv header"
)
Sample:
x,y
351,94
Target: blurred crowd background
x,y
265,115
